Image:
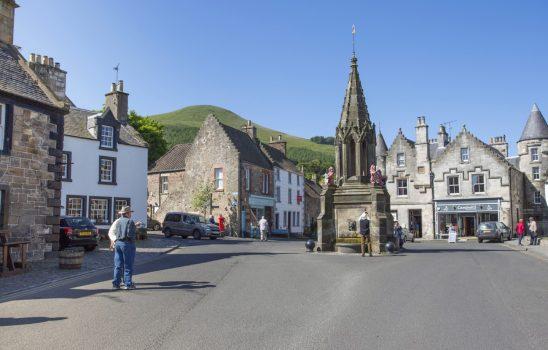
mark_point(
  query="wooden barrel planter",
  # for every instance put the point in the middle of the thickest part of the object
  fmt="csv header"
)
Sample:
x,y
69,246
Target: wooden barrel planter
x,y
71,258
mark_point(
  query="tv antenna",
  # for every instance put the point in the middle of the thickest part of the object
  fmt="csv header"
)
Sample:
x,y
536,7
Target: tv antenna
x,y
449,125
117,69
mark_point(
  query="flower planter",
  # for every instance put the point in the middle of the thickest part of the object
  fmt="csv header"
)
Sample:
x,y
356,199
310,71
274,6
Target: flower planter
x,y
71,258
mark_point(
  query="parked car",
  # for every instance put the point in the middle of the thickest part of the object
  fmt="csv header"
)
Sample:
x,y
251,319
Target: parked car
x,y
189,224
408,236
153,225
493,230
78,232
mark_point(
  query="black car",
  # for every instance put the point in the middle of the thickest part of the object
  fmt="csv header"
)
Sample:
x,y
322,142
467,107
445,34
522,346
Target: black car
x,y
493,230
78,232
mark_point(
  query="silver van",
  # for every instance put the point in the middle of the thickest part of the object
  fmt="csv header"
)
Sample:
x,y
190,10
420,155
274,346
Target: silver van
x,y
188,224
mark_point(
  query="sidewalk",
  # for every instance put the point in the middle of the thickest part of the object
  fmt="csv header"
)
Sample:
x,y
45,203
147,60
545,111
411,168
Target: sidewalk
x,y
539,251
47,271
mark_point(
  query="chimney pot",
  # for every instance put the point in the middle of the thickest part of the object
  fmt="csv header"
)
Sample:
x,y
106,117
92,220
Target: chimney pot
x,y
38,59
51,62
32,57
121,86
113,87
57,65
45,60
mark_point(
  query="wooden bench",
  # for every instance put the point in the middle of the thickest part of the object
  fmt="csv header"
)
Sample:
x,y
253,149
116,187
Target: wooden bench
x,y
10,267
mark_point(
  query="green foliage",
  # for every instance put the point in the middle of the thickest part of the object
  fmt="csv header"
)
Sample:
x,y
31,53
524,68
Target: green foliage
x,y
315,169
152,132
322,140
179,134
202,197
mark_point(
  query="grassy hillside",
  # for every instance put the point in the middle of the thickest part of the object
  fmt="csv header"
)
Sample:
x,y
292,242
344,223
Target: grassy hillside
x,y
182,125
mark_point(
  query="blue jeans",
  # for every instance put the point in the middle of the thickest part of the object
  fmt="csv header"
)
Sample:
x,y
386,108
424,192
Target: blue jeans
x,y
533,240
124,256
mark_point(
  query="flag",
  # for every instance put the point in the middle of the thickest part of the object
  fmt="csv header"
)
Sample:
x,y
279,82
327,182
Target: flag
x,y
353,29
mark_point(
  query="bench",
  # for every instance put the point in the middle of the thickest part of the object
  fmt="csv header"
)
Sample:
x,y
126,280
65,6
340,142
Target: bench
x,y
9,266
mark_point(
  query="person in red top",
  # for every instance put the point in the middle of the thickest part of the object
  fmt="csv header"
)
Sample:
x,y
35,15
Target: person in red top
x,y
221,220
520,230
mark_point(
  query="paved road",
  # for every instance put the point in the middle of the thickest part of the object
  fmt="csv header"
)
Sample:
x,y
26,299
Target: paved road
x,y
249,295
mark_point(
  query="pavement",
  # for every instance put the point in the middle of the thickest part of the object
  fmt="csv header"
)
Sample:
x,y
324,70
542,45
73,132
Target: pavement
x,y
540,251
244,294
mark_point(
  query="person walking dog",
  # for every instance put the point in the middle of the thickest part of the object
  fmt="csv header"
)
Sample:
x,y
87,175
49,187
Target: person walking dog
x,y
122,236
263,226
520,230
533,231
363,223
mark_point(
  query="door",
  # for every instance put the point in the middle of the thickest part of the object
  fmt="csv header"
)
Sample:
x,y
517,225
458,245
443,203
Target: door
x,y
415,222
469,226
289,222
277,226
186,225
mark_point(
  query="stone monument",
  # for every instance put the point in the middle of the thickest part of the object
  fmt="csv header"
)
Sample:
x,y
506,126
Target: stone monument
x,y
355,187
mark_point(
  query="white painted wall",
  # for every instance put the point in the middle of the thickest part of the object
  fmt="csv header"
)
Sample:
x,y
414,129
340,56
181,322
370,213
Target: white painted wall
x,y
131,174
283,205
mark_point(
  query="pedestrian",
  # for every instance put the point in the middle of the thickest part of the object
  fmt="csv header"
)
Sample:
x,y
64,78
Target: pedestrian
x,y
363,221
122,236
221,220
520,230
263,226
398,233
212,219
533,231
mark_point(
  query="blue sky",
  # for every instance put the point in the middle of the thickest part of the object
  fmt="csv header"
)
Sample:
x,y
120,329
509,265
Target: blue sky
x,y
284,64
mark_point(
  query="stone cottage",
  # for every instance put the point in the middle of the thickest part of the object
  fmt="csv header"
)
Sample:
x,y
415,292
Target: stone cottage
x,y
231,161
31,144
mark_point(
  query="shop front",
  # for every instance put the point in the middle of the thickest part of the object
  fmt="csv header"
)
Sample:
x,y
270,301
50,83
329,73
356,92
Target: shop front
x,y
465,215
259,206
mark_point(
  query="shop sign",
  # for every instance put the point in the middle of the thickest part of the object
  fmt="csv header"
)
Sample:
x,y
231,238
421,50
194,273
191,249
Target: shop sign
x,y
260,202
467,208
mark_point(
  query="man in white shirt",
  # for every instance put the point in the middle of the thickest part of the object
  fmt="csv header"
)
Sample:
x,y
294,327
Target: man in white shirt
x,y
263,226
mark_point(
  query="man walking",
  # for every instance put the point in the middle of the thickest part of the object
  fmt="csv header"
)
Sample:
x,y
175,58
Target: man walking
x,y
122,236
533,231
363,223
263,226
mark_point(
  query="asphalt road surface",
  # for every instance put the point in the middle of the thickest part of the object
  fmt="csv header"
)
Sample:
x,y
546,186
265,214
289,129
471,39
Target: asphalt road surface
x,y
238,294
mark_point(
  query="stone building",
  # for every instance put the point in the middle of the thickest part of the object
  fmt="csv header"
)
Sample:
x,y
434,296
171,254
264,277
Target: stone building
x,y
470,181
31,143
232,161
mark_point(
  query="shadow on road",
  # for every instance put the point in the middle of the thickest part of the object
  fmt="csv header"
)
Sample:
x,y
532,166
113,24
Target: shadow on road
x,y
12,321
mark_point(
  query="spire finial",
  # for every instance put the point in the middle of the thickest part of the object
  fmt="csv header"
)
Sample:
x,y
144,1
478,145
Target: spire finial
x,y
535,108
353,41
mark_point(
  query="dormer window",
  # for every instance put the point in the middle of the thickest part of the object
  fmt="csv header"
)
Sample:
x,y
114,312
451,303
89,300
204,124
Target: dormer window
x,y
400,160
107,136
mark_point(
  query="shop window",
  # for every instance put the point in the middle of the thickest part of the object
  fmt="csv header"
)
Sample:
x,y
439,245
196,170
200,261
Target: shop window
x,y
536,173
534,154
402,187
465,155
453,185
400,159
478,183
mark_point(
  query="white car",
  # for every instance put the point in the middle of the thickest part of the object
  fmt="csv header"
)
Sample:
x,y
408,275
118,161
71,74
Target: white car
x,y
408,235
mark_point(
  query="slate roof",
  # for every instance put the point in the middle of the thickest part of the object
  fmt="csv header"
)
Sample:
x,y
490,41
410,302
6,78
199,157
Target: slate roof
x,y
381,148
279,159
248,149
173,160
18,79
76,126
536,127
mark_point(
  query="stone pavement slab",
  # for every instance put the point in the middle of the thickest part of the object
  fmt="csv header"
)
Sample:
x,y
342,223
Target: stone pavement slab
x,y
47,271
540,251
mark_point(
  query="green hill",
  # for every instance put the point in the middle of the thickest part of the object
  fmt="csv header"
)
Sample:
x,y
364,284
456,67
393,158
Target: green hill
x,y
182,125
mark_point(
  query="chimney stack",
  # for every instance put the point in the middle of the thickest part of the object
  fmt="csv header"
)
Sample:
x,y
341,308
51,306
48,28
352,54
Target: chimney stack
x,y
421,130
117,101
279,144
250,129
51,74
500,144
443,137
7,20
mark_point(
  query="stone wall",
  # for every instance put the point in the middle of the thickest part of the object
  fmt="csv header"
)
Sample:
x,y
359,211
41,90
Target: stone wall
x,y
30,184
155,197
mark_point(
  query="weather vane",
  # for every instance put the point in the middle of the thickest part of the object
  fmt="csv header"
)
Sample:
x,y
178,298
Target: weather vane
x,y
117,69
354,40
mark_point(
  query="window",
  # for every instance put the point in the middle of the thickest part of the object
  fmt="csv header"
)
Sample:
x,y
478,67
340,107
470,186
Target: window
x,y
299,199
118,204
453,185
76,206
278,174
536,173
537,198
294,219
534,154
107,170
289,196
6,118
285,219
289,176
298,180
107,136
402,187
99,210
298,221
219,182
3,128
247,179
278,194
266,183
66,166
173,218
420,170
164,183
400,159
478,183
464,155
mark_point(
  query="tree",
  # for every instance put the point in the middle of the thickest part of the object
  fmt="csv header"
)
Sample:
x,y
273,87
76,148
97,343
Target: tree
x,y
201,200
322,140
152,132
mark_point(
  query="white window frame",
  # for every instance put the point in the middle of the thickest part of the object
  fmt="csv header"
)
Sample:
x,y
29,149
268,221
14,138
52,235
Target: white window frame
x,y
400,160
93,211
65,166
453,185
289,177
534,154
70,210
535,173
107,136
537,198
218,174
474,184
465,154
106,175
164,183
3,126
402,188
266,183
